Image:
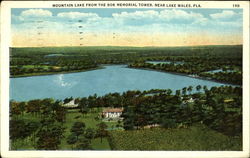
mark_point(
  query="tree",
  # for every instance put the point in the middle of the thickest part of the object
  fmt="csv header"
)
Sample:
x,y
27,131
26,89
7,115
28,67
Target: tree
x,y
205,88
168,123
50,138
15,108
47,121
169,91
190,88
178,92
101,131
60,114
33,106
89,133
83,143
83,106
55,106
184,91
78,128
72,139
67,100
128,118
198,88
17,129
22,106
46,107
119,124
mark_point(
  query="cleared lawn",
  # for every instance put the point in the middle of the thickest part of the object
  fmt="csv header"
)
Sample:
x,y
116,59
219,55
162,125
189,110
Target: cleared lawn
x,y
22,144
73,116
193,138
98,145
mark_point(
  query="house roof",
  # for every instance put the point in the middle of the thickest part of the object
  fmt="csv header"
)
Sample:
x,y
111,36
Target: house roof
x,y
112,110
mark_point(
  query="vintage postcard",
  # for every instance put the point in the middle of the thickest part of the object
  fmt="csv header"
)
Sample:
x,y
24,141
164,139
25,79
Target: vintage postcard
x,y
125,79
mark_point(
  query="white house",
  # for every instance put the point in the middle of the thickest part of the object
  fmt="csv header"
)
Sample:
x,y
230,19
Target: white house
x,y
190,100
112,112
70,104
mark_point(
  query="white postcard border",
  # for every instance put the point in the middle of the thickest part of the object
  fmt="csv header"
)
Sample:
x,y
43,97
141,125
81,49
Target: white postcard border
x,y
6,43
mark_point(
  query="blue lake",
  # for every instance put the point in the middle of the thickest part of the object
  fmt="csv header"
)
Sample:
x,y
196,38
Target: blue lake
x,y
165,62
220,70
115,78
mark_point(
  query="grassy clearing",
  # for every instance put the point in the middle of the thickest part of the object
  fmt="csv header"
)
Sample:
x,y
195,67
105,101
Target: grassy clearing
x,y
194,138
36,66
22,144
90,122
98,145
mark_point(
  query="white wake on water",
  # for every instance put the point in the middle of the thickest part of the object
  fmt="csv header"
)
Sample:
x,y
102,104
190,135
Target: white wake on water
x,y
60,80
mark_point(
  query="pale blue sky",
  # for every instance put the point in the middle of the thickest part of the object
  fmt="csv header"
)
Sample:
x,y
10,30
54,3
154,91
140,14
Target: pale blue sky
x,y
224,22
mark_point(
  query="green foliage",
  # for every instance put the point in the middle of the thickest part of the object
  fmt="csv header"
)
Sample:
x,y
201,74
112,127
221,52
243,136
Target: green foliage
x,y
193,138
49,138
89,133
168,123
83,143
66,100
72,139
96,144
102,130
170,111
20,129
78,128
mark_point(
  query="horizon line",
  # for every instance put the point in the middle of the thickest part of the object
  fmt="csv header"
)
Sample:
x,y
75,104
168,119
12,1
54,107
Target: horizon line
x,y
130,46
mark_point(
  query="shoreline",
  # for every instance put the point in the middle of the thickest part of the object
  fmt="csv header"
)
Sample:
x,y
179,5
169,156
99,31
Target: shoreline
x,y
55,73
102,66
187,75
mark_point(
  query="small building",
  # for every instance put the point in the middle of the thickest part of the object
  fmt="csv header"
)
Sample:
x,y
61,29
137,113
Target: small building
x,y
112,112
190,100
70,104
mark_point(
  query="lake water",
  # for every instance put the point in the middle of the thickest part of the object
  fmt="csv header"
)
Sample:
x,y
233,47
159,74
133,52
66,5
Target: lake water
x,y
165,62
220,70
115,78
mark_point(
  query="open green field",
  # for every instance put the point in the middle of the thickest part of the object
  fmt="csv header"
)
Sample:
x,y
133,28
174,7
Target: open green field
x,y
193,138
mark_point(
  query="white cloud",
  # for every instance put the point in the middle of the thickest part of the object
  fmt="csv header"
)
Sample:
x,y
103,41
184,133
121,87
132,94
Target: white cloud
x,y
151,16
224,15
148,21
179,15
36,13
17,18
77,15
136,15
224,24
